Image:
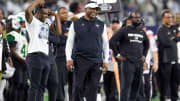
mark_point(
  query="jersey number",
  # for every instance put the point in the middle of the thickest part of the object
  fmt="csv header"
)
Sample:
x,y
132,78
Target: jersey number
x,y
23,51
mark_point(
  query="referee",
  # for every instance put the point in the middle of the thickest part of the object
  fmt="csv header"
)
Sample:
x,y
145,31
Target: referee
x,y
133,47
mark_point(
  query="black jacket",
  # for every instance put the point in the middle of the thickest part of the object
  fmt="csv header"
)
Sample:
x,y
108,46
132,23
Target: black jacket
x,y
133,43
62,39
88,39
166,46
5,53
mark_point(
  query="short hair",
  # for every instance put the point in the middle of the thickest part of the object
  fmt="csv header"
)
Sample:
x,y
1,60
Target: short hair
x,y
164,12
61,8
125,21
39,8
115,20
74,7
131,14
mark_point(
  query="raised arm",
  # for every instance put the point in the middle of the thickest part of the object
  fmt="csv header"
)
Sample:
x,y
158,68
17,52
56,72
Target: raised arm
x,y
57,26
28,11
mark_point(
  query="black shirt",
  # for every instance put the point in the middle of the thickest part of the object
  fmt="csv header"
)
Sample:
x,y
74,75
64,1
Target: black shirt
x,y
133,43
61,45
167,44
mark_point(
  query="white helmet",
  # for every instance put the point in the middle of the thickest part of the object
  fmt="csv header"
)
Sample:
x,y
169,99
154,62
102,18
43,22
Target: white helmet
x,y
15,21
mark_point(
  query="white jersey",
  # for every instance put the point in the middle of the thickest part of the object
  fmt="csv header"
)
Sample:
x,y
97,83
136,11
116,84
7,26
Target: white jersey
x,y
21,43
110,61
153,48
38,35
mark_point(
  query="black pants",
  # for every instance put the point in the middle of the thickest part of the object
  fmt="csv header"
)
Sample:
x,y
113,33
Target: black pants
x,y
145,91
70,84
62,76
84,68
18,86
168,81
131,75
110,87
39,67
52,84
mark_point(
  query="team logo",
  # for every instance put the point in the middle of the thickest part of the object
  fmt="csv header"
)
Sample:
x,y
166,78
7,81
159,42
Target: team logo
x,y
136,38
169,33
174,31
44,32
82,24
97,25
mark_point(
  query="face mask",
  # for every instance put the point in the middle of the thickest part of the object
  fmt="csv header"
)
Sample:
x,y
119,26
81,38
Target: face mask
x,y
23,31
136,24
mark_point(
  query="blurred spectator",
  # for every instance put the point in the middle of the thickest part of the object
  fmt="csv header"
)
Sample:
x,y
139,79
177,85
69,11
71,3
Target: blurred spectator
x,y
174,6
76,8
3,6
26,4
149,14
13,8
51,4
64,3
1,14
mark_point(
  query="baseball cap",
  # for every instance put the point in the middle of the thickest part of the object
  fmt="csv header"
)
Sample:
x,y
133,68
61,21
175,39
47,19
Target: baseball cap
x,y
91,5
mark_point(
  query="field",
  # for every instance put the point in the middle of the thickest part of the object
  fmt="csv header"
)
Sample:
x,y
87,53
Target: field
x,y
46,98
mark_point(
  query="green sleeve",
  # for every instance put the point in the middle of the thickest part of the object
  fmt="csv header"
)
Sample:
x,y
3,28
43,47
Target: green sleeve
x,y
10,38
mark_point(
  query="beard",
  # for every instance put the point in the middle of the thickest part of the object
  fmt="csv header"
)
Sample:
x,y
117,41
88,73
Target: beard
x,y
136,24
92,15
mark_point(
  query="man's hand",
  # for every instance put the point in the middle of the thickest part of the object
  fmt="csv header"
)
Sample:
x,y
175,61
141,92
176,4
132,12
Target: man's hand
x,y
40,2
70,65
178,35
121,58
143,59
145,66
172,38
66,34
104,67
9,60
155,67
51,13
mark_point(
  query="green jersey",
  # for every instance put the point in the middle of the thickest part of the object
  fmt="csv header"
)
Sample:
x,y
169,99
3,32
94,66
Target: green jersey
x,y
21,43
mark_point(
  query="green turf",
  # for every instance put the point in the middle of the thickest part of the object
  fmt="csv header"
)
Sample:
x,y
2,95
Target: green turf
x,y
155,100
46,99
46,96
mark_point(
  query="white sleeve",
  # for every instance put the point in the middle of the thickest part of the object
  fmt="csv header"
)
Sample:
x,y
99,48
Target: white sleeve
x,y
70,42
105,45
153,46
33,22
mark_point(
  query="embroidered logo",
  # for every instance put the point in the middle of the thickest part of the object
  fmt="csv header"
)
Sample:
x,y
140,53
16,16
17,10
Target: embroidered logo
x,y
97,25
174,31
82,24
